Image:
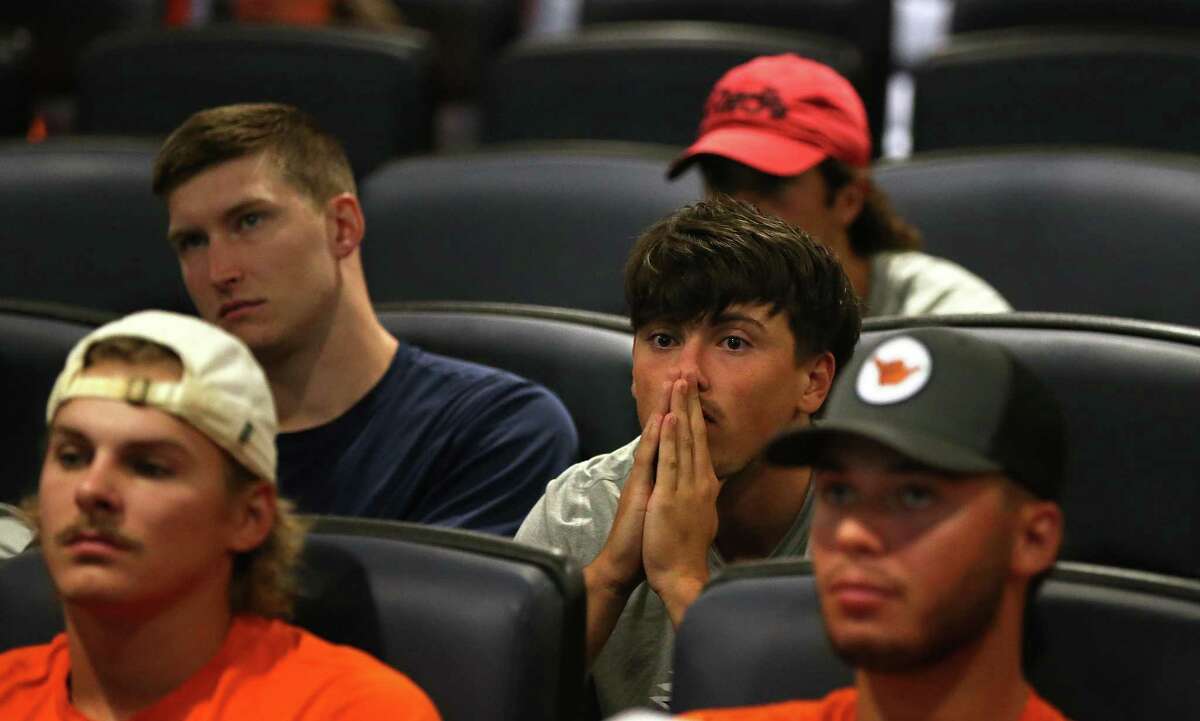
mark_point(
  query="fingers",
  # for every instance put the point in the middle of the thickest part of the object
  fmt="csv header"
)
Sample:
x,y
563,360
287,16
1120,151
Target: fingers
x,y
698,428
647,450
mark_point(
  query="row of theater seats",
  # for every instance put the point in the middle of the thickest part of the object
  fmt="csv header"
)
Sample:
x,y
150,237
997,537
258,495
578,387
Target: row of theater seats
x,y
493,630
647,81
1130,392
1054,229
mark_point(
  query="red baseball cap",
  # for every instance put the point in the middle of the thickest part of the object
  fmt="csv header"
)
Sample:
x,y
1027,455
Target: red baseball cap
x,y
782,114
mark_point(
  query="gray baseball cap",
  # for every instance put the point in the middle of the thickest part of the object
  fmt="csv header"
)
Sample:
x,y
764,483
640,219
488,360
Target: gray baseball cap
x,y
945,398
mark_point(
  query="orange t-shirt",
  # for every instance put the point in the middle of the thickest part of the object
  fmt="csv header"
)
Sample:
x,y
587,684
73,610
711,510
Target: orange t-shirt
x,y
841,705
265,671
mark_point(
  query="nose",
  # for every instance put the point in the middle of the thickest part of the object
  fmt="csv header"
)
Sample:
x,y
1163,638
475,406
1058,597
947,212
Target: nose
x,y
97,492
690,362
855,535
224,269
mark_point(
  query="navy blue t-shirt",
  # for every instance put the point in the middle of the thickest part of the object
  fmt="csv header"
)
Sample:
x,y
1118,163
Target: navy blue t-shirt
x,y
437,441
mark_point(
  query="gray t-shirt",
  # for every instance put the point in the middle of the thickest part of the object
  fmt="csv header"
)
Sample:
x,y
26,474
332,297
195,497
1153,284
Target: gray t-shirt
x,y
912,283
575,516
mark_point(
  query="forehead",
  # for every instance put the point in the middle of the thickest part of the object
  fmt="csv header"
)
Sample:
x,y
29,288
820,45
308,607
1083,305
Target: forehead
x,y
761,313
249,175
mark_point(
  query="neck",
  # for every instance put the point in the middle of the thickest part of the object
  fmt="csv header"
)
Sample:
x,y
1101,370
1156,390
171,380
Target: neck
x,y
318,382
982,679
125,660
757,507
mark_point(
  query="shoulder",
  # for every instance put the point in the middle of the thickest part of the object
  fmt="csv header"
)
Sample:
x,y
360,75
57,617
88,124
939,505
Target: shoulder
x,y
26,673
341,682
1038,709
837,706
912,283
577,509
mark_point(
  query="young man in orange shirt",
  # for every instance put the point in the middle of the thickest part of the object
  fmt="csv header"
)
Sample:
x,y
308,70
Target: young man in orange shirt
x,y
171,553
936,472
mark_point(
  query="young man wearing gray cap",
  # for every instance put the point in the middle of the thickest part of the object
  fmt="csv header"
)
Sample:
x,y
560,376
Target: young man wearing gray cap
x,y
740,322
170,551
937,469
265,220
790,135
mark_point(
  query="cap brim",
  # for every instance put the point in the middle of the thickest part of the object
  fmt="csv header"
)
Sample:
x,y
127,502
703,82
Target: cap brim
x,y
763,150
799,447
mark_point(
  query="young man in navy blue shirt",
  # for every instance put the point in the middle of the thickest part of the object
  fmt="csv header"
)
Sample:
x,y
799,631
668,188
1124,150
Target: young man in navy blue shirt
x,y
268,229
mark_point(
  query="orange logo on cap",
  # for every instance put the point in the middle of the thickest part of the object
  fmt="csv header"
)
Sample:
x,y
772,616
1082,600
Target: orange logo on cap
x,y
893,372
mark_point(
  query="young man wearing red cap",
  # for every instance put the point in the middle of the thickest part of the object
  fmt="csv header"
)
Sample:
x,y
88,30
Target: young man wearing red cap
x,y
936,468
170,551
740,322
790,136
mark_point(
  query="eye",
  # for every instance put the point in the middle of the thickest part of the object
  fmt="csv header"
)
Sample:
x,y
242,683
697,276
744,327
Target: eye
x,y
837,494
915,497
250,220
735,342
661,340
151,468
187,241
70,456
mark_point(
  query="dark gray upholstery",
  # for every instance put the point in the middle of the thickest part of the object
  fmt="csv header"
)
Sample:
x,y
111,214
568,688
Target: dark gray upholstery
x,y
1020,87
468,34
584,358
643,82
1063,229
491,629
1106,645
34,343
541,225
1130,393
79,226
971,15
370,90
865,24
16,81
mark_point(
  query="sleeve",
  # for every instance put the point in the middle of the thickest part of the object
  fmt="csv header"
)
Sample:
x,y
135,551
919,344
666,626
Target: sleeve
x,y
383,696
574,515
506,438
949,288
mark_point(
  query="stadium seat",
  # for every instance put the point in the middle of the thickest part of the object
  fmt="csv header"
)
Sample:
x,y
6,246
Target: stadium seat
x,y
372,90
79,226
1022,87
16,82
1107,645
34,342
865,24
974,15
468,34
642,82
491,629
584,358
1063,229
1129,392
544,225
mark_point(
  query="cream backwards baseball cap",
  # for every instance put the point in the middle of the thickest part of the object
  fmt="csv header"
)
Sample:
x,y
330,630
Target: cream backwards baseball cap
x,y
223,392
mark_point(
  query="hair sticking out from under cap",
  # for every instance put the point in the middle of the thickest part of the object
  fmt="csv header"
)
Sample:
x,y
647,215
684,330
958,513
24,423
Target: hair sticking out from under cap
x,y
310,159
706,257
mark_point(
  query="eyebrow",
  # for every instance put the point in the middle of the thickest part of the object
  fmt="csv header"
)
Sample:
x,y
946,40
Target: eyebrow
x,y
726,317
148,444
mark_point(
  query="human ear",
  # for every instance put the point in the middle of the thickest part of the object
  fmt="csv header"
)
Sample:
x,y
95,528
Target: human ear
x,y
346,224
253,517
1039,535
850,199
813,381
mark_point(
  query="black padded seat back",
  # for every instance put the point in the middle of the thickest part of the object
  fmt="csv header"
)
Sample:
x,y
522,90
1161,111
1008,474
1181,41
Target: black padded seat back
x,y
492,630
972,15
79,226
583,358
34,342
641,81
864,24
544,225
16,81
1019,87
1063,229
1129,392
1107,645
371,90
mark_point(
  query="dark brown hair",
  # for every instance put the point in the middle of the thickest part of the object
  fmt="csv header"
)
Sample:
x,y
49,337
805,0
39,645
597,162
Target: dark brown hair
x,y
705,257
310,159
876,228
